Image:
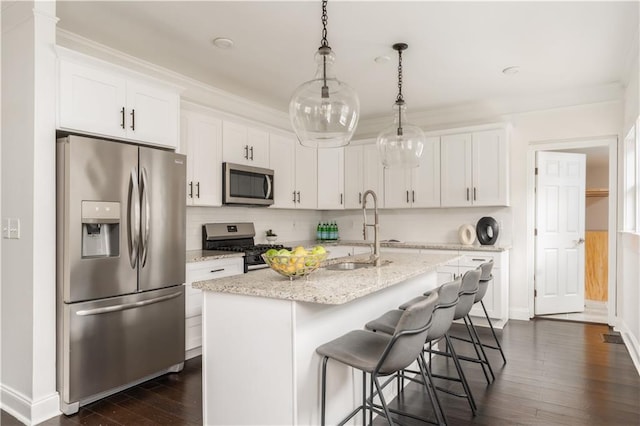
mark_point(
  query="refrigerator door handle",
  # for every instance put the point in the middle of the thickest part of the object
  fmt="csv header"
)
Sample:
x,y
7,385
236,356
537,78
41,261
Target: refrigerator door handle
x,y
146,217
134,218
125,306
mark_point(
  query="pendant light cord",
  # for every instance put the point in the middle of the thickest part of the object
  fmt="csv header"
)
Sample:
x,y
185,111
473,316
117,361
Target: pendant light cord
x,y
324,50
399,98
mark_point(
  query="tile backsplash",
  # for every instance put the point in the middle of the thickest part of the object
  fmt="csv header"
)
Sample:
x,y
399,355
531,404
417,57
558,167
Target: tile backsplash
x,y
411,225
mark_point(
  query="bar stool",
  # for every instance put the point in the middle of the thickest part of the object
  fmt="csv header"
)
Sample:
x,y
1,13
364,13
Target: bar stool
x,y
483,285
468,291
382,355
440,324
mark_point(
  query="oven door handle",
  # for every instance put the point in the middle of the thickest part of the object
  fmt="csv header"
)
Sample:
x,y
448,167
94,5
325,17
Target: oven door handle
x,y
267,179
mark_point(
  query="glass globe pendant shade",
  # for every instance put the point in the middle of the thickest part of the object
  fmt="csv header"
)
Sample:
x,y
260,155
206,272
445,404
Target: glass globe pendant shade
x,y
324,111
401,144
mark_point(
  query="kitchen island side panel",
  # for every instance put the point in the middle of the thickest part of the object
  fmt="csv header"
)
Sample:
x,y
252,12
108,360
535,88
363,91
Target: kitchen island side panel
x,y
259,359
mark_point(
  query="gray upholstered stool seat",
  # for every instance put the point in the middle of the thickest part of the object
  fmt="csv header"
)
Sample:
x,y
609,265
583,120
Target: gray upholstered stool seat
x,y
382,355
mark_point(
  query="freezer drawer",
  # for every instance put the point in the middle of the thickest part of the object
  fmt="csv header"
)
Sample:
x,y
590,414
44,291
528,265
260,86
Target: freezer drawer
x,y
112,342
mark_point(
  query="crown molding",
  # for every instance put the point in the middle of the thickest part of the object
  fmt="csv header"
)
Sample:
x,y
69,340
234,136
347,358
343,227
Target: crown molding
x,y
497,110
193,90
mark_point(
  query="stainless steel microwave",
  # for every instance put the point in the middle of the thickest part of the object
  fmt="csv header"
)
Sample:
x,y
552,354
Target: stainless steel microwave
x,y
246,185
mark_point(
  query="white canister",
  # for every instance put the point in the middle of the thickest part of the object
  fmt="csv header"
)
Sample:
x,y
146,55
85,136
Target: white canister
x,y
467,234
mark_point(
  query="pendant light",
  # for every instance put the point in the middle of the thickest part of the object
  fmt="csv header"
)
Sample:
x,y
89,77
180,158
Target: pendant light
x,y
324,111
401,144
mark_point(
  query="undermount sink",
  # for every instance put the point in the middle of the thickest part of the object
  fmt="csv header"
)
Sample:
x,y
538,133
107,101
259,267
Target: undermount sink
x,y
350,266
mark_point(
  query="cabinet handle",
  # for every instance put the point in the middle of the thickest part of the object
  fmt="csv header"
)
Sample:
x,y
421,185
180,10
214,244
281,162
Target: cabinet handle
x,y
217,270
359,197
251,150
467,194
198,190
191,189
122,117
133,120
340,199
413,196
298,196
474,193
479,260
246,152
407,196
294,196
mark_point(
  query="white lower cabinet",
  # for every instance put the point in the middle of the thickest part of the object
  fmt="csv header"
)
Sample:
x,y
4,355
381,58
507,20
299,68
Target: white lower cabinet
x,y
202,271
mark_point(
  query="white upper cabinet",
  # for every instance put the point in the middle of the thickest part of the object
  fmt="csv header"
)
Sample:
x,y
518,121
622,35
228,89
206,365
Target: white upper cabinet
x,y
306,177
201,142
362,170
245,145
474,169
331,178
294,173
99,100
417,187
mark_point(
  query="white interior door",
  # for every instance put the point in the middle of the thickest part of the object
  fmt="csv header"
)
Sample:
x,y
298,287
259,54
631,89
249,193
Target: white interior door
x,y
560,217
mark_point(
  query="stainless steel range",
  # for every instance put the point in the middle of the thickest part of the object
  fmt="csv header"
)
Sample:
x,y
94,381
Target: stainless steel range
x,y
237,237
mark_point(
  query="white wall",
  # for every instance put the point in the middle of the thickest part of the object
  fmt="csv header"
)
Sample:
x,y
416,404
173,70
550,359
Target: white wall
x,y
28,193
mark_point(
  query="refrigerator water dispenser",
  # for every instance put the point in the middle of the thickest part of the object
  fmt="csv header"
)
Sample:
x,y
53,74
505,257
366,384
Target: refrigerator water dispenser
x,y
100,229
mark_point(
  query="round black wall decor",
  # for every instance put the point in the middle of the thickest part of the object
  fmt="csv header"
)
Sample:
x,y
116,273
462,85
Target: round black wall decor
x,y
487,231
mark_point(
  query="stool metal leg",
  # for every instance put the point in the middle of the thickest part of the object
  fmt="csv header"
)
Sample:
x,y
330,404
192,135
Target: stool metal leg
x,y
431,390
364,399
475,347
387,413
499,346
463,379
324,389
481,347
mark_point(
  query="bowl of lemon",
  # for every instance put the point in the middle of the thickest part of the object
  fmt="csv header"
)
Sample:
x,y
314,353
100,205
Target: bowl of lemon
x,y
295,263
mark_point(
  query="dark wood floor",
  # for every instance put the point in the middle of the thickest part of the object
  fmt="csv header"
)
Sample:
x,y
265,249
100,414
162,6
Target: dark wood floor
x,y
558,373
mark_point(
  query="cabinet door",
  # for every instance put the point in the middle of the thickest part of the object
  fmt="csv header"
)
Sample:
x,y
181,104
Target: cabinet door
x,y
373,173
244,145
397,188
306,177
282,158
353,176
203,141
331,178
258,141
153,114
235,146
455,168
425,180
490,165
91,100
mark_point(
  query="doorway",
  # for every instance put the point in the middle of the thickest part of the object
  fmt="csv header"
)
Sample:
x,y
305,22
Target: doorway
x,y
600,213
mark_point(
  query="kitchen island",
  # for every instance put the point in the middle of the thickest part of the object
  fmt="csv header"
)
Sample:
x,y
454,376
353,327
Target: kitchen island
x,y
260,331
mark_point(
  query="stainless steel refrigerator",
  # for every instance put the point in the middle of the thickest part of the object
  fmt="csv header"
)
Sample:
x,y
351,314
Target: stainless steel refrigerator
x,y
120,266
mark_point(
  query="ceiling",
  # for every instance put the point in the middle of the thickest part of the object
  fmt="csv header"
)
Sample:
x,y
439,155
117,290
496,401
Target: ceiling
x,y
456,53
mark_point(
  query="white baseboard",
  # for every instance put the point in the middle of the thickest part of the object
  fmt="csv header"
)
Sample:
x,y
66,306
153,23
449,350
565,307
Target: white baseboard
x,y
27,411
630,341
192,353
519,314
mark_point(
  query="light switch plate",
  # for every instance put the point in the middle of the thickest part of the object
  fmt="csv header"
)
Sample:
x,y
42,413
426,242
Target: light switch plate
x,y
5,228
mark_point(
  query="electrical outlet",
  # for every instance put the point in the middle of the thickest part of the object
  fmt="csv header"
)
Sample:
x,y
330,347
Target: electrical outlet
x,y
14,228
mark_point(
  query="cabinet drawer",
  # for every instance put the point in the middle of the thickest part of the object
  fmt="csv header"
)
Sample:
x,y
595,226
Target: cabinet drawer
x,y
218,268
475,259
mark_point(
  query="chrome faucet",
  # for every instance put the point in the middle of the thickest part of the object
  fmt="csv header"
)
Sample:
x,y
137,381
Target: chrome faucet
x,y
375,256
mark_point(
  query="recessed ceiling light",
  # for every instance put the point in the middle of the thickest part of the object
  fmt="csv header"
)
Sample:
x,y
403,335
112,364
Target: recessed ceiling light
x,y
223,43
382,59
511,70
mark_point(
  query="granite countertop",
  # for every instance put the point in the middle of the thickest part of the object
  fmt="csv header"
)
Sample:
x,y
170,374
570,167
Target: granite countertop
x,y
403,244
327,286
204,255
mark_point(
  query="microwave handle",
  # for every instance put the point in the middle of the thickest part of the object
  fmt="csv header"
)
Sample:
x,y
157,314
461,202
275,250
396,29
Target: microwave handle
x,y
269,188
